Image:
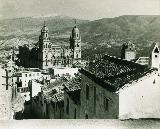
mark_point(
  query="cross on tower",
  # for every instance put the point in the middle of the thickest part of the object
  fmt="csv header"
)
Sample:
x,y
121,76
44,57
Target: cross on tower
x,y
44,23
75,22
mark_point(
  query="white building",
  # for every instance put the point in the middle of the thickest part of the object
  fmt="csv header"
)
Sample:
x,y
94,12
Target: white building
x,y
140,99
143,60
22,79
65,71
155,56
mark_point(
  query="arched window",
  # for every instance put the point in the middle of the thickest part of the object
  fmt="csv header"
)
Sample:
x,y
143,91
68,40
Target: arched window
x,y
156,50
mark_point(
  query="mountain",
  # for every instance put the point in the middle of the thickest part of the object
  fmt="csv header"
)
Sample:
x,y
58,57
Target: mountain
x,y
32,25
103,36
108,34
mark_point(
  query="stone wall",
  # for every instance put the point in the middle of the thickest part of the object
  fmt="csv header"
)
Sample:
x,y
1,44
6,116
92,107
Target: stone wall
x,y
73,110
101,103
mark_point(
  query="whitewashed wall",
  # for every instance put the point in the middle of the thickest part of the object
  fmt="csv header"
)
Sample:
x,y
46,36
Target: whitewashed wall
x,y
142,99
62,71
36,88
5,98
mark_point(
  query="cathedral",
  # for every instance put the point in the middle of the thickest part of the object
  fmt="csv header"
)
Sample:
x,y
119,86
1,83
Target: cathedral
x,y
48,55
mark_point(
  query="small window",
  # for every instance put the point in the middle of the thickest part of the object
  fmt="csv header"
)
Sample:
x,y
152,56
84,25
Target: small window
x,y
67,108
95,99
30,75
75,113
154,81
87,91
156,50
155,55
86,116
26,75
106,102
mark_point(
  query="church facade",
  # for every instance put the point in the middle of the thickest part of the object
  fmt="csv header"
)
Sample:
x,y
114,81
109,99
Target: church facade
x,y
48,55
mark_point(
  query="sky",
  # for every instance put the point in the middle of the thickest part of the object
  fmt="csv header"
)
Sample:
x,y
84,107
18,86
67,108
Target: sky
x,y
82,9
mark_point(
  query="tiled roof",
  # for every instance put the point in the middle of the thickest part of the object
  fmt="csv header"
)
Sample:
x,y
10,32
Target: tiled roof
x,y
73,84
53,91
54,84
112,73
54,97
72,88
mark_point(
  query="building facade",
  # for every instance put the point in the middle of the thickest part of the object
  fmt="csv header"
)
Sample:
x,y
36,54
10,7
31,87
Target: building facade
x,y
128,51
48,55
109,84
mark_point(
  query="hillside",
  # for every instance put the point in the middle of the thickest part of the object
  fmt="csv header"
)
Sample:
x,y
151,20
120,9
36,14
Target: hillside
x,y
99,36
108,34
31,26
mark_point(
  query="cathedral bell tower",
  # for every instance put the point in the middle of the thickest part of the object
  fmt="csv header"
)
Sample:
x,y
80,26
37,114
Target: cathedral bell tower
x,y
44,47
43,38
75,44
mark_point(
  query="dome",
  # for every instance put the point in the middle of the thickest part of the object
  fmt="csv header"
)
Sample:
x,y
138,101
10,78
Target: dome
x,y
45,29
75,30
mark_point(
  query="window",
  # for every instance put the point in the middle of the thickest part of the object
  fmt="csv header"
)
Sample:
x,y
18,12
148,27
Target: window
x,y
87,91
86,116
75,113
37,74
155,55
29,75
77,45
154,81
156,50
67,108
46,62
106,102
94,99
26,75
